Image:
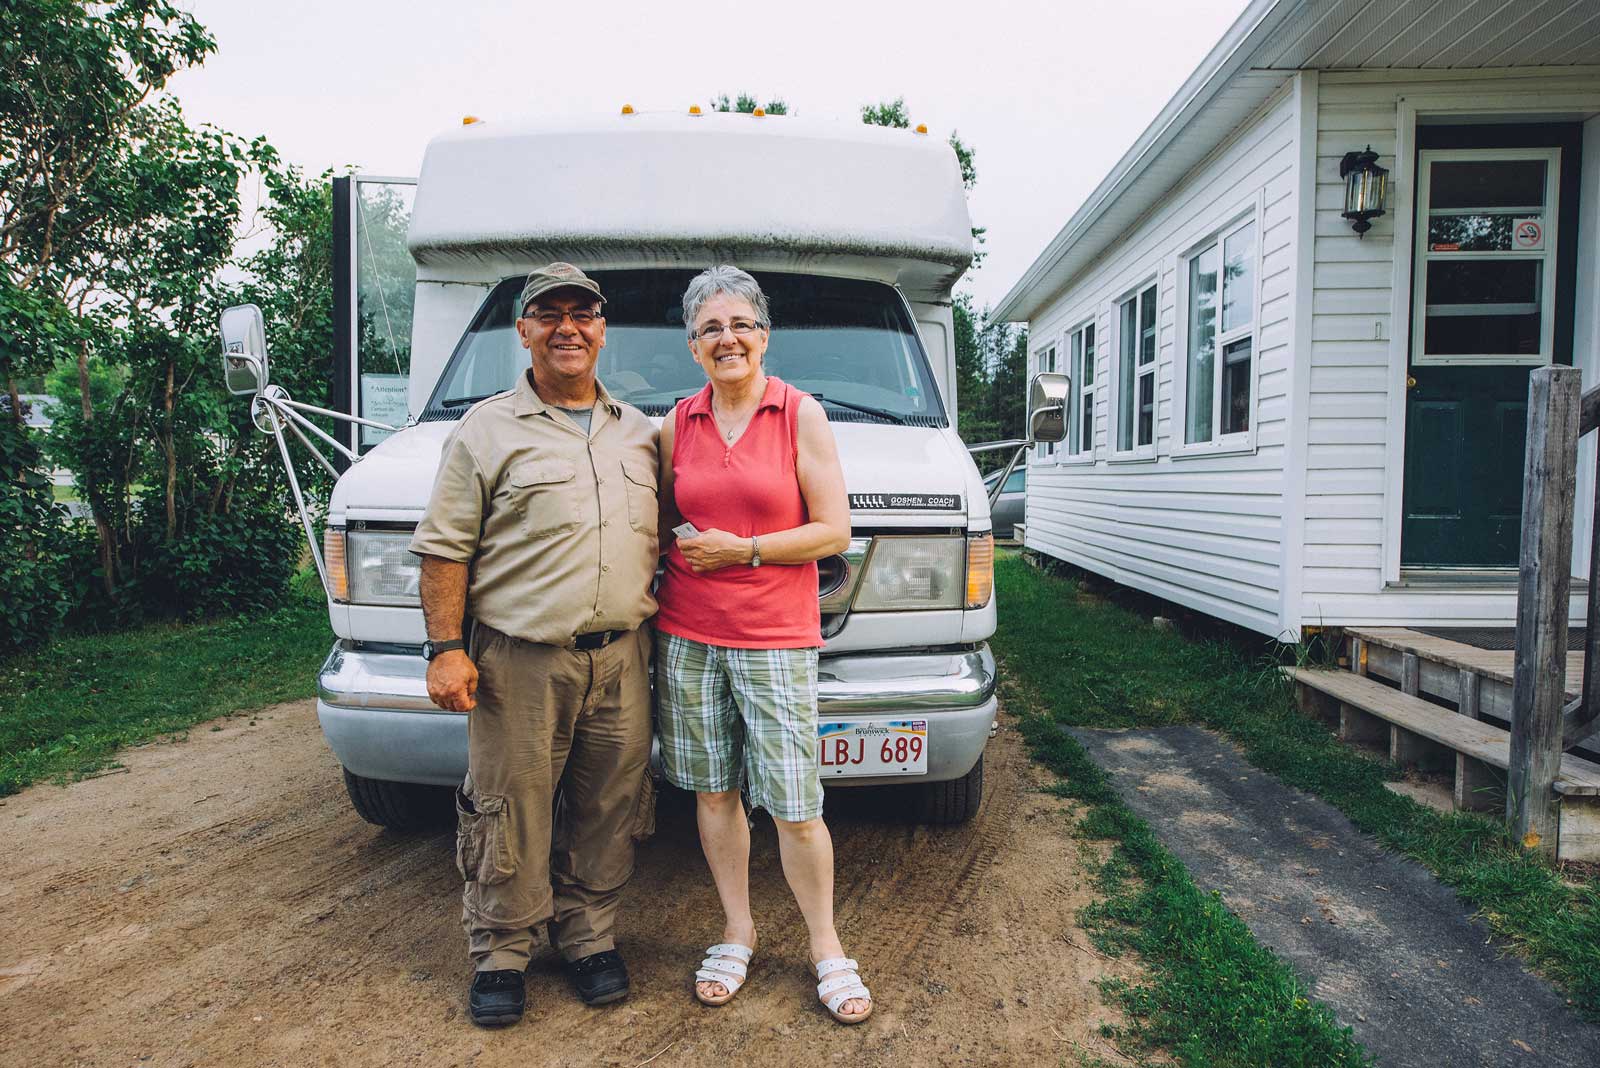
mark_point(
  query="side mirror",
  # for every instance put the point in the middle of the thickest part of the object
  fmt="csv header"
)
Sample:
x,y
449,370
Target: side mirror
x,y
1047,407
244,349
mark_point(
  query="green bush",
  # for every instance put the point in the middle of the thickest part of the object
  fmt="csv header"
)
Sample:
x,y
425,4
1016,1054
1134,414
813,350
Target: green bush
x,y
224,563
34,583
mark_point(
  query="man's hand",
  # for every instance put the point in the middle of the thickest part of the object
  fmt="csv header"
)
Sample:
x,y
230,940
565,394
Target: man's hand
x,y
453,681
715,549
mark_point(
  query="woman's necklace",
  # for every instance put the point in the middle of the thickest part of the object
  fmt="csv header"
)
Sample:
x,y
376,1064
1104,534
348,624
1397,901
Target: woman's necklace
x,y
730,432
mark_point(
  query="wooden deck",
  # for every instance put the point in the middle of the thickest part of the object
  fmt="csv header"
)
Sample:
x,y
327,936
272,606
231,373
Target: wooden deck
x,y
1444,705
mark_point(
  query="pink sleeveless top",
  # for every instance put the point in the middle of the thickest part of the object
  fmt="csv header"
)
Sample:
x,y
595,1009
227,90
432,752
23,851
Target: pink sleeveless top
x,y
749,488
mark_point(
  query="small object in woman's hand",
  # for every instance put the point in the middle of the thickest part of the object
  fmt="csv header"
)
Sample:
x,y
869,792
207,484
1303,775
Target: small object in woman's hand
x,y
686,530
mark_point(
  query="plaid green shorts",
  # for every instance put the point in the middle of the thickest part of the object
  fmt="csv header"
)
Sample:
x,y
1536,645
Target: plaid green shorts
x,y
724,709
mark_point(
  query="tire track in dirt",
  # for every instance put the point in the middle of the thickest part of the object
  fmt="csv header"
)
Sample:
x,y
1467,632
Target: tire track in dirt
x,y
266,925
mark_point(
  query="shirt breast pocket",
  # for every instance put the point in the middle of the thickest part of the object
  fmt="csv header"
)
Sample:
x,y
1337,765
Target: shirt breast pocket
x,y
545,495
640,482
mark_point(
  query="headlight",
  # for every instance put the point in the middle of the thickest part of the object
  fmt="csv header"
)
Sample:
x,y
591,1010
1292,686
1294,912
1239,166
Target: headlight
x,y
909,573
382,569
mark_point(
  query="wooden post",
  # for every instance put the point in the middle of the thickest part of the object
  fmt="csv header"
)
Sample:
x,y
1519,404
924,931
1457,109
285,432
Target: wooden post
x,y
1410,673
1471,693
1543,592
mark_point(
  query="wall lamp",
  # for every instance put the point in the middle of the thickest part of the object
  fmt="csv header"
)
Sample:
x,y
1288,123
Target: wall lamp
x,y
1366,185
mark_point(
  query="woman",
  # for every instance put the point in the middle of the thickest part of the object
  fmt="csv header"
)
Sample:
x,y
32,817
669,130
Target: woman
x,y
750,462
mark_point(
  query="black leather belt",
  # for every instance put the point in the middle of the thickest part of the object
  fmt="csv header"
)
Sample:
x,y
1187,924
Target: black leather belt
x,y
597,640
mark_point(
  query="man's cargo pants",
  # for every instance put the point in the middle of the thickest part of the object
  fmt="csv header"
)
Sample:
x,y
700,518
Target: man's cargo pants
x,y
557,792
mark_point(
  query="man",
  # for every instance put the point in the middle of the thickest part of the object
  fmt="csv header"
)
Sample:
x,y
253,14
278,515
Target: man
x,y
542,528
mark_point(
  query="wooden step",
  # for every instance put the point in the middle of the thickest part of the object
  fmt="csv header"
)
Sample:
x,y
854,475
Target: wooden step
x,y
1476,739
1420,732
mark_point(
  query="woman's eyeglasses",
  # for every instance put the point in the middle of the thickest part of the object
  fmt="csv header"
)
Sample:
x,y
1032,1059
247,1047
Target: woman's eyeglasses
x,y
740,327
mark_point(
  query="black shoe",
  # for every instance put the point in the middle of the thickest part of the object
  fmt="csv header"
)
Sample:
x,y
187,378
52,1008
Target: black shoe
x,y
601,978
496,998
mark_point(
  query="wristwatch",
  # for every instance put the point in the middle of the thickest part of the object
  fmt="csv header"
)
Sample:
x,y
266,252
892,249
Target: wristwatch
x,y
755,552
431,648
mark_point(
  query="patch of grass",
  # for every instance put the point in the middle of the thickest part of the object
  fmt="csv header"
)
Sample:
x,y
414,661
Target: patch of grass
x,y
1214,997
66,710
1069,643
63,494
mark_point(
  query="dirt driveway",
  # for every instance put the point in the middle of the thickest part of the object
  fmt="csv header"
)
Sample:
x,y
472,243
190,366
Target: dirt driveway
x,y
221,904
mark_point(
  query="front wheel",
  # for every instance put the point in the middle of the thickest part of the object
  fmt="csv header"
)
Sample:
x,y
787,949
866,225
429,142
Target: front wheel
x,y
399,806
953,801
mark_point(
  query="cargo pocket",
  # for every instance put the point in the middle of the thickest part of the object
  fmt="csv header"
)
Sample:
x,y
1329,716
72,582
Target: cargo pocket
x,y
544,492
483,839
640,482
644,809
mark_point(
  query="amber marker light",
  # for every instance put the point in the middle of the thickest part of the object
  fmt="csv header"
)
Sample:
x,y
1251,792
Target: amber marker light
x,y
980,570
468,120
627,109
694,109
333,557
758,112
922,128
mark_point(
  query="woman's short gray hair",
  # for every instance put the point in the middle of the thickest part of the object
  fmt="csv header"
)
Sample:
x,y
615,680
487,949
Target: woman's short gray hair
x,y
723,279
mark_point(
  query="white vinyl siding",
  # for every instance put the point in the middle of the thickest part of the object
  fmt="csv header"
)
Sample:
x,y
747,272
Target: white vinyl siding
x,y
1203,531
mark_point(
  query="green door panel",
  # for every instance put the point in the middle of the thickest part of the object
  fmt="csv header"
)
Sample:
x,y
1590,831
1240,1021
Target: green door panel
x,y
1465,433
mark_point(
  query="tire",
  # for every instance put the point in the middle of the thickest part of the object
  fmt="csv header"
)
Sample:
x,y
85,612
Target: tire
x,y
954,801
398,806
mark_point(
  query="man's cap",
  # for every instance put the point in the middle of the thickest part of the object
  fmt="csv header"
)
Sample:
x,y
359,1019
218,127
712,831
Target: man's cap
x,y
556,275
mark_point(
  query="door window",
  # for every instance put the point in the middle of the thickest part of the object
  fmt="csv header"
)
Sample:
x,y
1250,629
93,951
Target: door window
x,y
377,279
1486,256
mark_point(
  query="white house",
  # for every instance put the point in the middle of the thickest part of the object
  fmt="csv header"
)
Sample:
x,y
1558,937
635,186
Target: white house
x,y
1286,425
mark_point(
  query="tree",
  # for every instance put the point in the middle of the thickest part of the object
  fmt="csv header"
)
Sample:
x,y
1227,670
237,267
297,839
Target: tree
x,y
72,78
138,279
746,104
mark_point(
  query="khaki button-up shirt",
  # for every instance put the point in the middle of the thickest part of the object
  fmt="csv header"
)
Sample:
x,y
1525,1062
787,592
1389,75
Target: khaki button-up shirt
x,y
558,527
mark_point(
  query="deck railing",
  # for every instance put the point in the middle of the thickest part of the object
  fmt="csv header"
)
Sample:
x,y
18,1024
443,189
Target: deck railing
x,y
1543,723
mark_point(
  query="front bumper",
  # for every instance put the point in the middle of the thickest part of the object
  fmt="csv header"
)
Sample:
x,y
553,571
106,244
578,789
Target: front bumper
x,y
376,715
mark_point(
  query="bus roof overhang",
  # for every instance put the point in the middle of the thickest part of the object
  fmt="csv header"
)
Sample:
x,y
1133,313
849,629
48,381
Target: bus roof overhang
x,y
644,190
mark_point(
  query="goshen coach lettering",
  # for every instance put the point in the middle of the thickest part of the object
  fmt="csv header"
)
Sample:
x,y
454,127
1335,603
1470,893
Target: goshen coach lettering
x,y
867,502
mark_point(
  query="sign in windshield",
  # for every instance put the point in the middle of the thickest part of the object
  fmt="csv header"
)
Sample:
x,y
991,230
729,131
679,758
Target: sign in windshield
x,y
850,343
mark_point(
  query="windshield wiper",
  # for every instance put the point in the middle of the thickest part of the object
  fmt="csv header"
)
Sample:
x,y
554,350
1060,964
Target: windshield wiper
x,y
456,402
881,413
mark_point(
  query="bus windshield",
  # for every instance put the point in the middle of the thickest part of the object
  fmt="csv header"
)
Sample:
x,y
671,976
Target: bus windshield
x,y
850,343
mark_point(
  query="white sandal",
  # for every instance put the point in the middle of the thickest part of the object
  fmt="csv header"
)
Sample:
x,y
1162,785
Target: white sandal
x,y
725,963
842,988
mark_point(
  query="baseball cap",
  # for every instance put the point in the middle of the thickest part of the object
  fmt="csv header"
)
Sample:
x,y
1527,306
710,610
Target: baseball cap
x,y
556,275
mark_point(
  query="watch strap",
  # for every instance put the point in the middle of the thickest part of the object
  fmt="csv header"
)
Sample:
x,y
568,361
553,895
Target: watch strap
x,y
755,551
431,648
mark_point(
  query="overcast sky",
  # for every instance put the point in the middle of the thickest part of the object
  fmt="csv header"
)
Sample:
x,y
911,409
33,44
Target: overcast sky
x,y
1049,94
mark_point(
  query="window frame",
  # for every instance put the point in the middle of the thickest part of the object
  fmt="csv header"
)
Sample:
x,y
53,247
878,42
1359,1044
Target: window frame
x,y
1421,256
1045,451
1238,441
1151,283
1082,397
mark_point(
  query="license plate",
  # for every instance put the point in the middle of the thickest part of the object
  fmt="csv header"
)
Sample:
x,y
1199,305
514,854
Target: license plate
x,y
874,747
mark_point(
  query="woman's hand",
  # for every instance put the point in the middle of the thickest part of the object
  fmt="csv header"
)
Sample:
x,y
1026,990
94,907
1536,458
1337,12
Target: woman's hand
x,y
715,549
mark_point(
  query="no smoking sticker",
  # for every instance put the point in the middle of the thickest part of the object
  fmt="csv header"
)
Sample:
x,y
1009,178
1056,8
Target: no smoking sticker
x,y
1527,235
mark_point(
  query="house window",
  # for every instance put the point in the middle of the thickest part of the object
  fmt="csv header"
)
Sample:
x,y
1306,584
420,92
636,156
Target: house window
x,y
1485,256
1220,306
1080,427
1136,380
1047,362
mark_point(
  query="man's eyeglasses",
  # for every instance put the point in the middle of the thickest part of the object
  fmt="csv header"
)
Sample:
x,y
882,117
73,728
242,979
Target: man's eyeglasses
x,y
740,327
552,319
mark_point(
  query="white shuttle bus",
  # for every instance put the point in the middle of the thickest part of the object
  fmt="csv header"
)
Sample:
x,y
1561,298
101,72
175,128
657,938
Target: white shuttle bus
x,y
857,234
